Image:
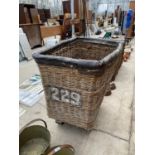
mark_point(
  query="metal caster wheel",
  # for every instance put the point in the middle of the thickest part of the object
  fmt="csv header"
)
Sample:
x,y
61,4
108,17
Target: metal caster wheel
x,y
112,86
108,93
59,122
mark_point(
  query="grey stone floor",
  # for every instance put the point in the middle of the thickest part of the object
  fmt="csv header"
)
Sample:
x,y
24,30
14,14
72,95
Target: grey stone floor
x,y
113,133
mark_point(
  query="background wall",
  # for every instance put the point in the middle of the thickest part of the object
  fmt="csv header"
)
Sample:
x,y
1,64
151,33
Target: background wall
x,y
55,6
98,6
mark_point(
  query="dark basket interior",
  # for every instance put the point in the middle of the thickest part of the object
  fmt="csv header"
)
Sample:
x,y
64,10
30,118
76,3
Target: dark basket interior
x,y
80,49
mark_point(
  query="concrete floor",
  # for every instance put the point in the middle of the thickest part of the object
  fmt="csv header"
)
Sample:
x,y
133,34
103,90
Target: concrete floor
x,y
113,133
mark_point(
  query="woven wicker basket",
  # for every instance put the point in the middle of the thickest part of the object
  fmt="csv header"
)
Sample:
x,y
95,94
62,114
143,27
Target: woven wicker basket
x,y
75,74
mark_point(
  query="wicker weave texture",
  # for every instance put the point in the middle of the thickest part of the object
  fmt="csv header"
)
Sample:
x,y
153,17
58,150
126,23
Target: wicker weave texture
x,y
90,87
85,51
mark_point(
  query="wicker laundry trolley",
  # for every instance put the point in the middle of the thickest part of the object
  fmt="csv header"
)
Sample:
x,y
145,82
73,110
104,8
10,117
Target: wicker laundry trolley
x,y
119,61
75,74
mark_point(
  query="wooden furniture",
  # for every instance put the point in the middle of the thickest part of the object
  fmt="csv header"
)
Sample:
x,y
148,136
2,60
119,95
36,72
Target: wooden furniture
x,y
24,13
33,34
89,16
34,15
132,5
51,31
42,15
29,22
67,24
66,6
47,13
67,9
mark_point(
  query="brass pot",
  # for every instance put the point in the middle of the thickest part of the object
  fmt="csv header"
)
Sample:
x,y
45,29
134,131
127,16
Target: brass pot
x,y
34,139
61,150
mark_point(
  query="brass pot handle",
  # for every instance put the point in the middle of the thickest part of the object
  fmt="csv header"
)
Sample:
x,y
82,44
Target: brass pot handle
x,y
35,120
56,149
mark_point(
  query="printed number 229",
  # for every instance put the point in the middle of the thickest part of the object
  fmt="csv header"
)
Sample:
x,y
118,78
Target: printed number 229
x,y
65,96
75,98
55,93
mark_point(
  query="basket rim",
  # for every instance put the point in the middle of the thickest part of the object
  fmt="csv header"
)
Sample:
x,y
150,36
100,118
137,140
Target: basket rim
x,y
40,58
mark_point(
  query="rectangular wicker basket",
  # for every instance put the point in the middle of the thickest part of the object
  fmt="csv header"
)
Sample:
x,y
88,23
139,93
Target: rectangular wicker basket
x,y
75,74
